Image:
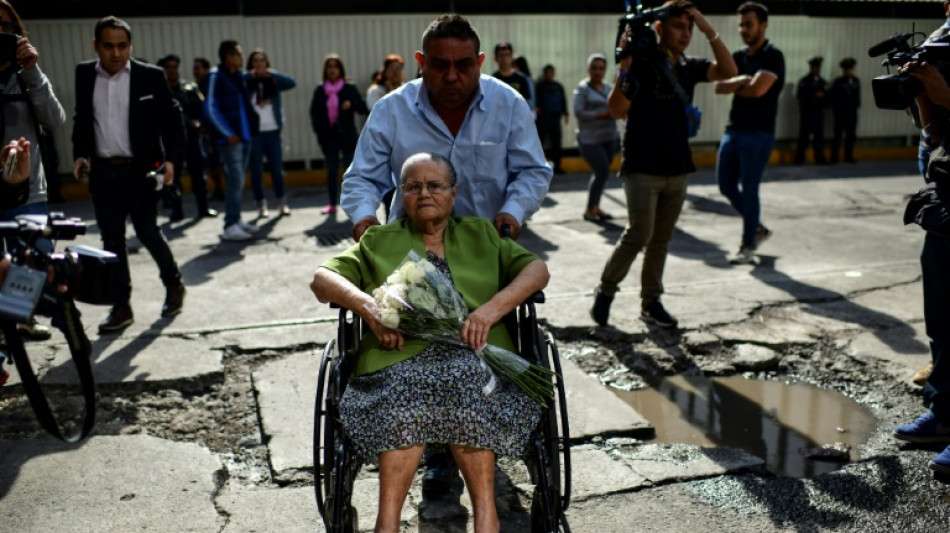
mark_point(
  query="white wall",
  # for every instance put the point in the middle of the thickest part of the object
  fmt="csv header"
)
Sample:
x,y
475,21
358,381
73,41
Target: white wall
x,y
297,45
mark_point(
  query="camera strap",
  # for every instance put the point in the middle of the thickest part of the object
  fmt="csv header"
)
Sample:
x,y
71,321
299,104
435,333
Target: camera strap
x,y
667,68
66,319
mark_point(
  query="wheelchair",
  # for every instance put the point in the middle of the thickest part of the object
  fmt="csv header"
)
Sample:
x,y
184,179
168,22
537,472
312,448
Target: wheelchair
x,y
336,466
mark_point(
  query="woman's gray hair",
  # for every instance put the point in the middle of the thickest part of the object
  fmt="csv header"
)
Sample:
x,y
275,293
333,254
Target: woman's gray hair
x,y
423,157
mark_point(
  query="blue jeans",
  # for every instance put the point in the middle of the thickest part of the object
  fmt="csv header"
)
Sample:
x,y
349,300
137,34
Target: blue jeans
x,y
598,156
267,144
38,208
740,163
935,267
234,158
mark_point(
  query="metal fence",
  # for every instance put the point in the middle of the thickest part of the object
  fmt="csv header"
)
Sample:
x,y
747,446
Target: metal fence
x,y
297,46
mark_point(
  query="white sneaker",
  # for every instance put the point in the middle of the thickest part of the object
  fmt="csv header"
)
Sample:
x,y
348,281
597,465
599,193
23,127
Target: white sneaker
x,y
235,232
262,211
248,228
745,256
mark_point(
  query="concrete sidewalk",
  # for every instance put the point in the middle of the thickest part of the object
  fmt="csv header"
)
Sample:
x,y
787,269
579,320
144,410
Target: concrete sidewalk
x,y
840,264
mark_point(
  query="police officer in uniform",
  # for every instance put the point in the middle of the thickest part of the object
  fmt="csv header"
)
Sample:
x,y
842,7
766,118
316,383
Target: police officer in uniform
x,y
190,99
845,101
812,101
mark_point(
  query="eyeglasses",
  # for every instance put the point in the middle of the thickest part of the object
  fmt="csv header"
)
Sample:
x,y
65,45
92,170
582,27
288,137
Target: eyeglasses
x,y
434,187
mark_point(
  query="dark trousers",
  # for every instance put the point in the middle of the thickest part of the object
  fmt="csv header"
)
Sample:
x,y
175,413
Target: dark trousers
x,y
120,192
598,156
935,266
846,124
549,129
812,125
331,157
196,159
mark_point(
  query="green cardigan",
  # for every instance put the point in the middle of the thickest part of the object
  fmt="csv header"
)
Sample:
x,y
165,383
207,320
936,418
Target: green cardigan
x,y
481,263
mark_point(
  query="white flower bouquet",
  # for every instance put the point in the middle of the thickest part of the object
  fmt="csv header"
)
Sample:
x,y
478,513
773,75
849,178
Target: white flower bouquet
x,y
420,301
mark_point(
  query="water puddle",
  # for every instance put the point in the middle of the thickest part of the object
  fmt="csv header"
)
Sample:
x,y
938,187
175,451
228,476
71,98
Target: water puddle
x,y
771,420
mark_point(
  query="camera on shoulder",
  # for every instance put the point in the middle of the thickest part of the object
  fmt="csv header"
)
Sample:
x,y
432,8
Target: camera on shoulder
x,y
642,45
897,91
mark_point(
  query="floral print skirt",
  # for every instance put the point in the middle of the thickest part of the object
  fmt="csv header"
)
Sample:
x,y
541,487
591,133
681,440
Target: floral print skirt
x,y
437,397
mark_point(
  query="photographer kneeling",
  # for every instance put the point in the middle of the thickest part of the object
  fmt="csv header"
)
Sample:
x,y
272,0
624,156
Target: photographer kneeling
x,y
934,426
654,92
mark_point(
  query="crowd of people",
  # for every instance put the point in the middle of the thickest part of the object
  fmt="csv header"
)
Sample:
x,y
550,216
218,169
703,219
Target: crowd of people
x,y
459,159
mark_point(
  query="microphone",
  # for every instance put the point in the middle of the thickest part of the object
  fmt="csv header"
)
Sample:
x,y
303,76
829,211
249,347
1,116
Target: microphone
x,y
884,47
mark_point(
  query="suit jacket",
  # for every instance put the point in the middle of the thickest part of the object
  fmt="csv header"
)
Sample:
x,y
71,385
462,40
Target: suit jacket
x,y
156,124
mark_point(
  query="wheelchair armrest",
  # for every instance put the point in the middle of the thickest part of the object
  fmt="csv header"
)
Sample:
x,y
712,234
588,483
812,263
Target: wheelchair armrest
x,y
334,305
537,297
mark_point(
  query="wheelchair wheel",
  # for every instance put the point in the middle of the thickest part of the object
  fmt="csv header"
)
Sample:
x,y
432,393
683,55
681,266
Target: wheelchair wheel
x,y
320,420
335,469
550,452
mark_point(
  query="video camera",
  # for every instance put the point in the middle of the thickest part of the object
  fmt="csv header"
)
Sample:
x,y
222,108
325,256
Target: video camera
x,y
897,91
85,271
32,285
643,44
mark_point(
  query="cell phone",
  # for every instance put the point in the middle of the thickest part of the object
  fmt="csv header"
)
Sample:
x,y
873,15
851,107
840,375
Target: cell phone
x,y
8,47
10,164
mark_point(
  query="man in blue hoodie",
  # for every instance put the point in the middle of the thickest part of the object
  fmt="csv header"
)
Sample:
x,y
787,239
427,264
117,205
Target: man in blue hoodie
x,y
232,123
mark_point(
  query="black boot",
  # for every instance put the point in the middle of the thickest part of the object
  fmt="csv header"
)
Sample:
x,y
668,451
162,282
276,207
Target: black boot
x,y
601,310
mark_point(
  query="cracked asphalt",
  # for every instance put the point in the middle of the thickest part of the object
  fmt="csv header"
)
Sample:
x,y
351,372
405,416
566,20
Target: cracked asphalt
x,y
181,443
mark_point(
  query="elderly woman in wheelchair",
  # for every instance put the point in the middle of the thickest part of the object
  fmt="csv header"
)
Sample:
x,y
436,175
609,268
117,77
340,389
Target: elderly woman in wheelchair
x,y
408,392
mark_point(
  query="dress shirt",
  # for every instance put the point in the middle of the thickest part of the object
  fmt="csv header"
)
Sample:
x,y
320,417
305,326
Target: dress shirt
x,y
110,111
497,155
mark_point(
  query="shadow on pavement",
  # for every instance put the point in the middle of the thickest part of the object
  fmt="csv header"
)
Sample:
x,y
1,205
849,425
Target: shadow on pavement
x,y
828,501
895,333
331,232
687,246
535,243
118,365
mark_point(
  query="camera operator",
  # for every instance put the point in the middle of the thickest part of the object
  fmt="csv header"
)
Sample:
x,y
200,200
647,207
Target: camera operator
x,y
934,426
27,102
656,155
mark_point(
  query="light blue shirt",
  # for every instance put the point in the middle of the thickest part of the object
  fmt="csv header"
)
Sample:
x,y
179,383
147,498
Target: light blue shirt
x,y
497,155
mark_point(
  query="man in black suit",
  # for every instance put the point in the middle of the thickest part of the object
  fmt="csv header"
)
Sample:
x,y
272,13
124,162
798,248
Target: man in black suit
x,y
126,125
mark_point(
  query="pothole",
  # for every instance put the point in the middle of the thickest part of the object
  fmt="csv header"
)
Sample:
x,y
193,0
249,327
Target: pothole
x,y
799,430
797,402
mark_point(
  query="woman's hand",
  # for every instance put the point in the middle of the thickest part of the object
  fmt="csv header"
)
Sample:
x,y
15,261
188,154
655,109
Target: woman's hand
x,y
476,327
21,171
934,83
26,53
388,338
346,105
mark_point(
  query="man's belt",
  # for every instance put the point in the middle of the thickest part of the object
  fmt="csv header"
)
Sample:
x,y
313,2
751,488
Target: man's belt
x,y
114,161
